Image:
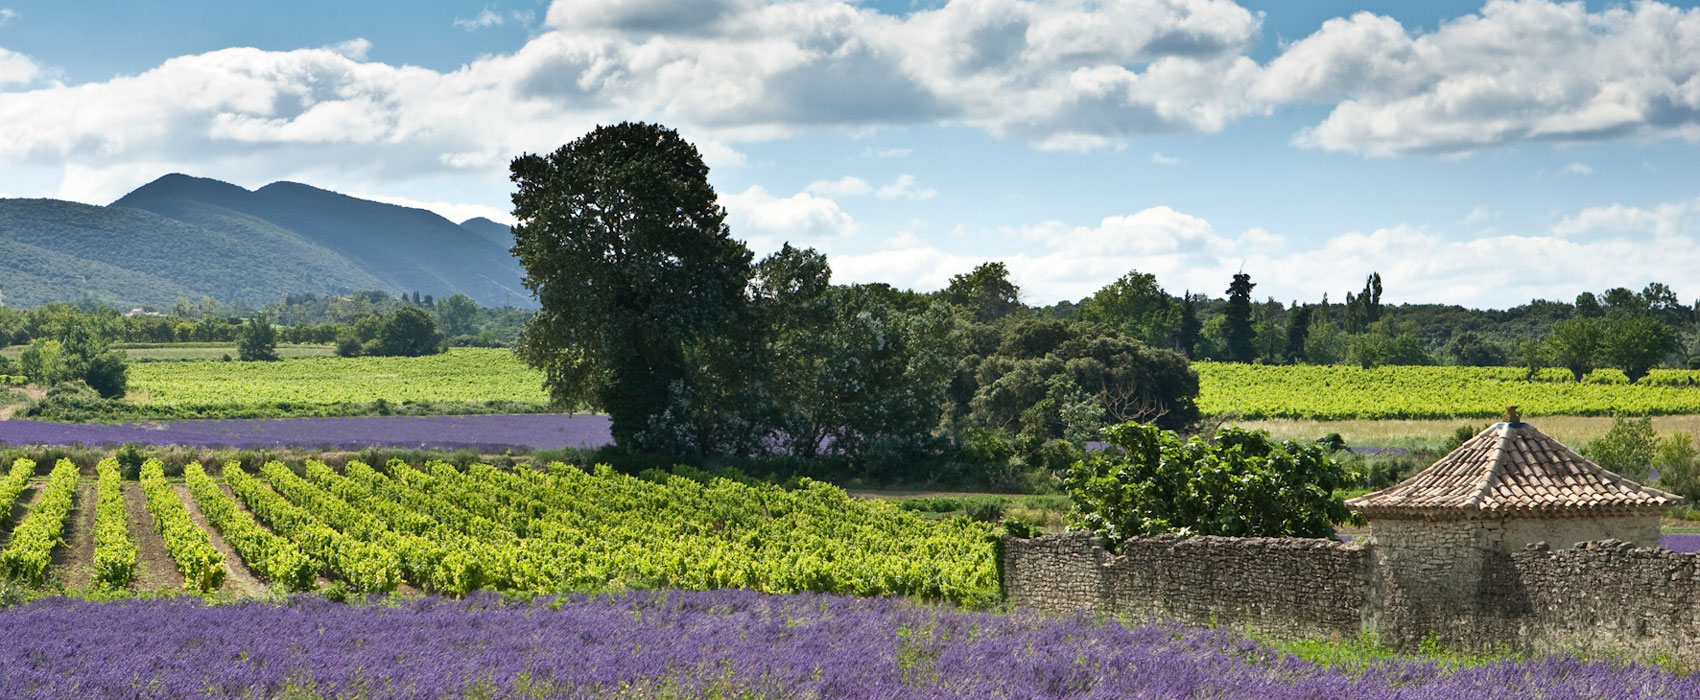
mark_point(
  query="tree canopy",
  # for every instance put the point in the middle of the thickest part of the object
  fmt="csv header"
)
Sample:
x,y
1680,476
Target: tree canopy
x,y
624,243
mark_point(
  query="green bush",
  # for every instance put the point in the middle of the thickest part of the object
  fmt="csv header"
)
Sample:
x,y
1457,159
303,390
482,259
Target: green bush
x,y
1238,483
1628,448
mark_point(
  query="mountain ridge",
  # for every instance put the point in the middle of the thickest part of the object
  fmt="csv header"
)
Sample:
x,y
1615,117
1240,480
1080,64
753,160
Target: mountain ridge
x,y
184,236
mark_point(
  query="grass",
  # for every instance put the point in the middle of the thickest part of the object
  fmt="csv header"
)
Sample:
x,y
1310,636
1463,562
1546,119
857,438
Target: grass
x,y
1359,654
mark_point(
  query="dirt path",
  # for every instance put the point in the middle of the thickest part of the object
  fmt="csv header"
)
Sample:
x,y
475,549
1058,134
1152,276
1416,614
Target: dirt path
x,y
318,581
73,562
154,566
26,501
240,579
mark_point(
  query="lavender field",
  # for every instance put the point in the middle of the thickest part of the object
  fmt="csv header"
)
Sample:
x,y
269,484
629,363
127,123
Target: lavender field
x,y
712,644
488,432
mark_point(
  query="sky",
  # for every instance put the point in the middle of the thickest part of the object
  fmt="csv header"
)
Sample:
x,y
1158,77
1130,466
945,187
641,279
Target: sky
x,y
1470,153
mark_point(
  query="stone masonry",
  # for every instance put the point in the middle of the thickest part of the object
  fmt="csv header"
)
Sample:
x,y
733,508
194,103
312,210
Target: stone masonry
x,y
1598,596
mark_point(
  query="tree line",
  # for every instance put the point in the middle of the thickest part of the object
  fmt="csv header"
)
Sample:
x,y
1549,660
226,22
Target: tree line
x,y
653,313
1619,328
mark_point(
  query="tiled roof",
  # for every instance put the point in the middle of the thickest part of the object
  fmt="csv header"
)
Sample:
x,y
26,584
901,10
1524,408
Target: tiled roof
x,y
1509,469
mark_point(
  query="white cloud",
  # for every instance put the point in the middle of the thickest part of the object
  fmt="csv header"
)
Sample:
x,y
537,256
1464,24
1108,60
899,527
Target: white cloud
x,y
17,68
886,153
486,18
1665,220
764,220
904,187
453,211
1072,74
848,185
1054,261
1578,169
1480,214
1161,159
1526,70
7,14
353,49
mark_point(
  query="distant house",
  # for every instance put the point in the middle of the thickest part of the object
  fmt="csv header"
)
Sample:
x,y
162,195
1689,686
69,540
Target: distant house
x,y
1508,487
139,312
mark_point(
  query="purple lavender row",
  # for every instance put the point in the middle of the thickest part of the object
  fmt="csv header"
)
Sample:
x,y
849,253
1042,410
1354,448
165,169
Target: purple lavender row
x,y
703,644
488,432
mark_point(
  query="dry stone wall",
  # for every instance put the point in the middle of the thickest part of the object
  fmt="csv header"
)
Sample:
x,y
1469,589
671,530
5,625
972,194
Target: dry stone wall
x,y
1600,596
1293,587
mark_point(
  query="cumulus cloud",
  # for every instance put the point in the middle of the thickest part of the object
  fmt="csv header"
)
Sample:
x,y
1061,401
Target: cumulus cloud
x,y
1480,214
847,185
1578,169
1053,261
1665,220
1160,159
886,153
486,18
1523,70
904,187
17,68
764,219
7,14
1070,74
1595,248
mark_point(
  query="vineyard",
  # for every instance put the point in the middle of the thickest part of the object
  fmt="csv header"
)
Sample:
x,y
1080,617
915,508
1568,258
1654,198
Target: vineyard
x,y
1325,392
439,529
470,375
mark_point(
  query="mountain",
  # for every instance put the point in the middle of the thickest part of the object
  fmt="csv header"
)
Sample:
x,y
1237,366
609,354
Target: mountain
x,y
182,236
499,234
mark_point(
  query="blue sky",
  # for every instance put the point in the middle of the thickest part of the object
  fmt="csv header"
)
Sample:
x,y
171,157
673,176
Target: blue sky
x,y
1481,154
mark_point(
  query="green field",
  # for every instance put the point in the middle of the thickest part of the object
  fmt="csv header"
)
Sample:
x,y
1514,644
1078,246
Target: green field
x,y
1345,393
460,375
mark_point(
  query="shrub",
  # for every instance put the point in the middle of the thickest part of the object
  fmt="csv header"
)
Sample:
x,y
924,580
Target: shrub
x,y
1238,483
1628,448
257,341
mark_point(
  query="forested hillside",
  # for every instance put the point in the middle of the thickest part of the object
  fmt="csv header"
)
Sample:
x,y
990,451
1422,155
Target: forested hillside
x,y
185,237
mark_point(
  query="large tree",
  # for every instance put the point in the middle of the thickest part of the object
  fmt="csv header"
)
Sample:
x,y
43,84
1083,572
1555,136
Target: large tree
x,y
458,315
626,248
257,341
1136,306
1636,344
1237,332
987,292
1575,345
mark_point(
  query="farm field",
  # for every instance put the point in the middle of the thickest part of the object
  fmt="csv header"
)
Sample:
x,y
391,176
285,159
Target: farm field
x,y
1401,393
1571,430
534,431
719,644
462,375
431,527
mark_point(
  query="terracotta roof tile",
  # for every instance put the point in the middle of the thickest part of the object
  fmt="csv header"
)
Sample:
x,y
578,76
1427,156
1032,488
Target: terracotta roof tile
x,y
1511,468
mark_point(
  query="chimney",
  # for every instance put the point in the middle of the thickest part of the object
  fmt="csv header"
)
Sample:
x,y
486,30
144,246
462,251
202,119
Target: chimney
x,y
1511,415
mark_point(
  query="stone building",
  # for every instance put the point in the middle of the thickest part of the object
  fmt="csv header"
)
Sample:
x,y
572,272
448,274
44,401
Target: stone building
x,y
1443,538
1508,487
1479,551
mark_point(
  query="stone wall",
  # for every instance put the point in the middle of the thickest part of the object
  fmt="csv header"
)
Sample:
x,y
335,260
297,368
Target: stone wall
x,y
1604,596
1290,587
1600,596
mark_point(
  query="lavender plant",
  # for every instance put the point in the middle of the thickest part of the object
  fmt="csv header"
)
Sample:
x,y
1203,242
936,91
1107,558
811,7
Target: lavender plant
x,y
718,644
